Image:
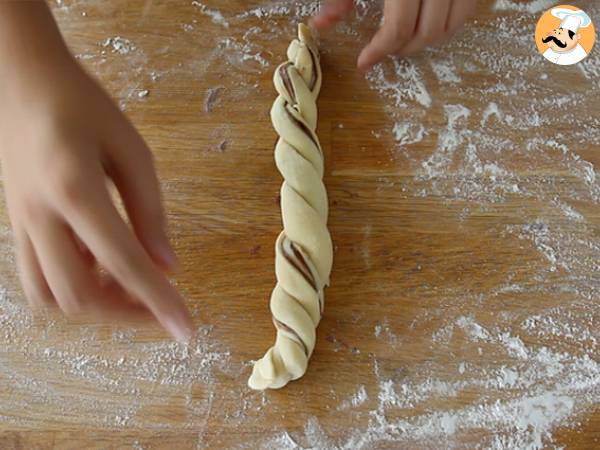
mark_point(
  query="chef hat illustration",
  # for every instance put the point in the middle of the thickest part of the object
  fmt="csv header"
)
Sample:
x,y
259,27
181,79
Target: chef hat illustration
x,y
571,20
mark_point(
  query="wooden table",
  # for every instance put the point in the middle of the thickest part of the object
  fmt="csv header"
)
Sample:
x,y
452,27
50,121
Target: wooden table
x,y
459,256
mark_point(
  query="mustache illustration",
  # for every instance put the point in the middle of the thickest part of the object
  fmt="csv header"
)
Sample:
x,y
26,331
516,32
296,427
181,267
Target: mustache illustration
x,y
555,40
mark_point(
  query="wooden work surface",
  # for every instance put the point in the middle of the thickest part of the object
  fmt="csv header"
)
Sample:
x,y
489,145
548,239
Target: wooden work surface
x,y
464,211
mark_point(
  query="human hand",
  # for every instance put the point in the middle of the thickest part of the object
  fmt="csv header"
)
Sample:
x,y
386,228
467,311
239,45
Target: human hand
x,y
408,25
62,140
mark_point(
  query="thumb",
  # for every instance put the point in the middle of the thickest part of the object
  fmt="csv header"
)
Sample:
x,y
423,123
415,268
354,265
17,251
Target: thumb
x,y
132,170
331,13
399,23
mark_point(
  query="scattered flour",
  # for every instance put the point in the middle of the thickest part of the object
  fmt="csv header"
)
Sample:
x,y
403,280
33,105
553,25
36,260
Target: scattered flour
x,y
239,53
473,330
296,9
407,83
119,45
444,72
266,12
408,133
215,15
548,384
531,7
384,331
519,376
357,399
490,111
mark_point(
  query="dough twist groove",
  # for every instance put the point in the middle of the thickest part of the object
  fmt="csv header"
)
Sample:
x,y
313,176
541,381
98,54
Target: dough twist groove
x,y
303,250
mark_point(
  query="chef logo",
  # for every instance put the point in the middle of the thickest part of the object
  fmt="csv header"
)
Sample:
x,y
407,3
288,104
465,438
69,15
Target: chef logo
x,y
565,35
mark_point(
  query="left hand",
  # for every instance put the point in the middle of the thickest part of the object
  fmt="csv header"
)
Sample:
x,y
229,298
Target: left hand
x,y
408,25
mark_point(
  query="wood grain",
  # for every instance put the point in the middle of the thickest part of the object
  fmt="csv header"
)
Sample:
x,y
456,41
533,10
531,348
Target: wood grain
x,y
403,257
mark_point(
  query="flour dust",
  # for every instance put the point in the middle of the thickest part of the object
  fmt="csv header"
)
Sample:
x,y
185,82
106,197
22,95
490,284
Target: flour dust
x,y
522,372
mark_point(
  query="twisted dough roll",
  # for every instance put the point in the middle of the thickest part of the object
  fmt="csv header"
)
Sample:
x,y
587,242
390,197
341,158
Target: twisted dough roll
x,y
303,251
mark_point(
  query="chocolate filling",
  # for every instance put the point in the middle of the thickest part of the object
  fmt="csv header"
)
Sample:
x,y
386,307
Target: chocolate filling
x,y
313,80
299,263
303,127
284,327
285,77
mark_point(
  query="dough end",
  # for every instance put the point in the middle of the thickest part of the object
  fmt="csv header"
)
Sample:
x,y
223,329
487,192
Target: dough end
x,y
268,373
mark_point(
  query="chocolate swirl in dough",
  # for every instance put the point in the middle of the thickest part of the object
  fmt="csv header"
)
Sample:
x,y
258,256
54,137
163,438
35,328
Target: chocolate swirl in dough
x,y
303,251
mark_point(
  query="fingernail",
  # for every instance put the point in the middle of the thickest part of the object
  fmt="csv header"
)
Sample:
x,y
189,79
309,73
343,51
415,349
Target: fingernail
x,y
363,64
165,253
179,330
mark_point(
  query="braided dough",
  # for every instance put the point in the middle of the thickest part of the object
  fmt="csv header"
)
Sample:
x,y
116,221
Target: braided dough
x,y
303,251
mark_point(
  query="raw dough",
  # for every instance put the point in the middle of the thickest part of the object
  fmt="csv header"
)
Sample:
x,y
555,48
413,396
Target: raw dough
x,y
303,251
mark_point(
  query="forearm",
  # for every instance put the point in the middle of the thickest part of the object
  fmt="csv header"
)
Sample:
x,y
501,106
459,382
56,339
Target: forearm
x,y
29,39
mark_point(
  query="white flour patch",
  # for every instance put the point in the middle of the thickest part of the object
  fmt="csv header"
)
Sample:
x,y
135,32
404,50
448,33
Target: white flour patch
x,y
214,15
569,211
357,399
531,7
573,326
408,133
404,83
448,142
590,67
444,72
91,377
508,356
239,53
547,383
296,10
120,45
491,111
473,330
524,390
266,12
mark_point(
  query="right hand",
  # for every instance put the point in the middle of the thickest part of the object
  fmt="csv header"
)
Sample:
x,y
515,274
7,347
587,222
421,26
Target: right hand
x,y
61,140
408,25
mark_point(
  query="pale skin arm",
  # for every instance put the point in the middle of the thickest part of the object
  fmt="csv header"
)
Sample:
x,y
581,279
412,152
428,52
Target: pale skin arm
x,y
61,140
408,25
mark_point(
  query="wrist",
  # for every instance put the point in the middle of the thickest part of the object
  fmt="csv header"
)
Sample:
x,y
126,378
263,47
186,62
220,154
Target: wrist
x,y
31,46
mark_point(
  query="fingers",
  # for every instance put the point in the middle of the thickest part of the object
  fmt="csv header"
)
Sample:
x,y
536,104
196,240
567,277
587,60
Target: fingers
x,y
331,13
116,304
34,284
92,214
431,26
132,169
409,26
400,17
87,256
75,287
